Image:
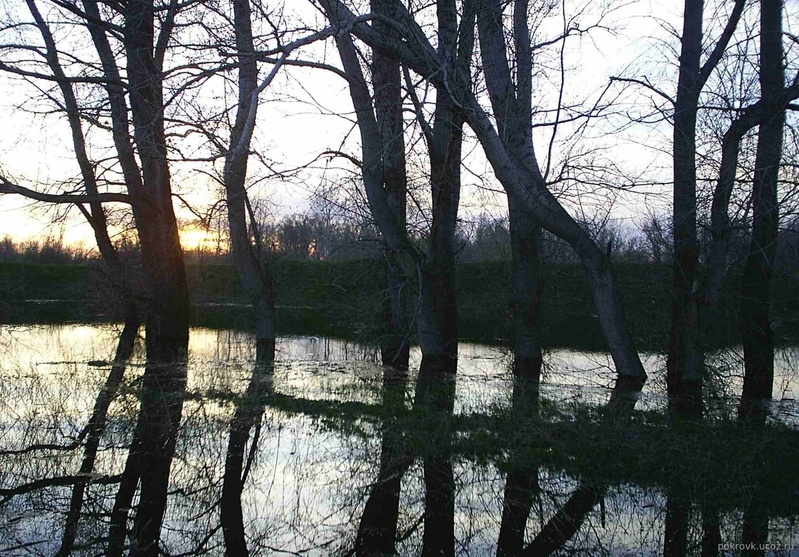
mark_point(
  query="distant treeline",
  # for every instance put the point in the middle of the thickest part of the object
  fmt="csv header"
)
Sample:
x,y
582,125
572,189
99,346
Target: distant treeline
x,y
344,299
50,251
312,236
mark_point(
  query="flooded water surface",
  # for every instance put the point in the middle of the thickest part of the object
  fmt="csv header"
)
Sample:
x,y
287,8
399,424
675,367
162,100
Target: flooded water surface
x,y
329,453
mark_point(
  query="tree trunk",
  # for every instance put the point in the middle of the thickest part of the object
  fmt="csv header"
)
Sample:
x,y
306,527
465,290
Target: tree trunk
x,y
755,532
254,272
685,360
386,81
756,333
395,349
436,308
167,330
525,238
96,217
711,531
511,152
438,327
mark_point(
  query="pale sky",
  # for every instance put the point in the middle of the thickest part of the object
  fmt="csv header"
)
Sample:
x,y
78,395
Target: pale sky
x,y
36,149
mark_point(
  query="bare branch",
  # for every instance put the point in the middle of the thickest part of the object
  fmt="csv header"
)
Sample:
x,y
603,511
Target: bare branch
x,y
9,187
643,83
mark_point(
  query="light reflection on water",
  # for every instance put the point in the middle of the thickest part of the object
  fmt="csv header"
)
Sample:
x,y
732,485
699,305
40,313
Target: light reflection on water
x,y
309,480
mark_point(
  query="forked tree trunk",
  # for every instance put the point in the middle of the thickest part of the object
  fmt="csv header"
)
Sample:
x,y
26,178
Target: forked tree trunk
x,y
686,361
166,323
117,275
433,272
439,325
516,176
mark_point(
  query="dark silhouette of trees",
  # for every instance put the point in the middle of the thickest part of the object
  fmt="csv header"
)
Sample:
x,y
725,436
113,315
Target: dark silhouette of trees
x,y
165,299
521,177
249,256
387,87
512,103
756,332
685,362
432,271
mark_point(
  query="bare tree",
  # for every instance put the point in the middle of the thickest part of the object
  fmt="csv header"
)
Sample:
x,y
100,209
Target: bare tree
x,y
387,85
521,177
149,193
686,360
756,332
250,258
433,271
512,103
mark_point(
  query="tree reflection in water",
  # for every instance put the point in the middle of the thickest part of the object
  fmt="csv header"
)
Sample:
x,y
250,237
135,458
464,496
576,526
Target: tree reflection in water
x,y
248,415
377,528
330,457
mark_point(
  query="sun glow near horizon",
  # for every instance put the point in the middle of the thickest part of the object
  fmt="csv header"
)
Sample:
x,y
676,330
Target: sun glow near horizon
x,y
199,238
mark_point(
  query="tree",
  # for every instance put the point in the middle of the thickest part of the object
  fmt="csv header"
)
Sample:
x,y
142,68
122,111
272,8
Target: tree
x,y
756,332
686,360
696,289
383,174
148,184
521,177
252,268
387,84
513,103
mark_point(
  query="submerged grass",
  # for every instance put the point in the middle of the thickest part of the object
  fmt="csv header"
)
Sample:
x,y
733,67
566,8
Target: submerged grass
x,y
723,462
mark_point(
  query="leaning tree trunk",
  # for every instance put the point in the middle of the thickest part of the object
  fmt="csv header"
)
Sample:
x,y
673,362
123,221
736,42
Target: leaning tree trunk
x,y
96,217
511,152
756,332
527,183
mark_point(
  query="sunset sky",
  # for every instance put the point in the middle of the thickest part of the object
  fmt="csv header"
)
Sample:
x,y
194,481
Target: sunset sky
x,y
306,112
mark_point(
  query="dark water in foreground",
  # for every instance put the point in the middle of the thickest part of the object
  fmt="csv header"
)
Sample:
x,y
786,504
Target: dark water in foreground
x,y
345,457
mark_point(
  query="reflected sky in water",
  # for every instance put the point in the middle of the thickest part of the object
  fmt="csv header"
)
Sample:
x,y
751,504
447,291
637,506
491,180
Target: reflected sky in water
x,y
314,468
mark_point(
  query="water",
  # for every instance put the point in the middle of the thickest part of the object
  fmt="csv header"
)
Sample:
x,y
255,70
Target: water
x,y
332,435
